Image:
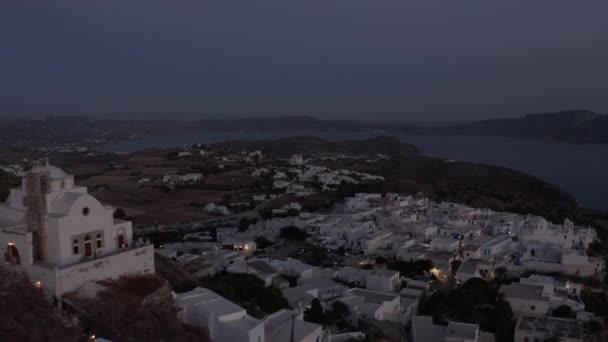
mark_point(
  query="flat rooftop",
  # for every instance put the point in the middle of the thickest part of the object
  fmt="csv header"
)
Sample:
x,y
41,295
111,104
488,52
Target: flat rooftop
x,y
559,327
464,331
373,296
524,291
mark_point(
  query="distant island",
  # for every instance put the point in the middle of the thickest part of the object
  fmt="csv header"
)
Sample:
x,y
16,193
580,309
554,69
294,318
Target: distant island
x,y
573,126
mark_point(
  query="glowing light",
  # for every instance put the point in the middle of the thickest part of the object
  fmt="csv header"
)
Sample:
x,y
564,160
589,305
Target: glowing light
x,y
11,244
38,283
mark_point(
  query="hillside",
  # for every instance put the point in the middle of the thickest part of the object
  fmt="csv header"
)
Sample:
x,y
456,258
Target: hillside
x,y
575,126
482,186
309,146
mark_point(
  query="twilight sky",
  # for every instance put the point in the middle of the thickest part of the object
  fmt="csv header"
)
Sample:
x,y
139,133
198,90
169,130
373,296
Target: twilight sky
x,y
364,59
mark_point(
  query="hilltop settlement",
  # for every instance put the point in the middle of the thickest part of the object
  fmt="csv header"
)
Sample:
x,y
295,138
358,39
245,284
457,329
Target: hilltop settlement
x,y
230,244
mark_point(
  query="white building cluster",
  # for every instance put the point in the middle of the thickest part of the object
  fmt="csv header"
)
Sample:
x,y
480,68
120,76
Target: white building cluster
x,y
303,179
227,321
410,229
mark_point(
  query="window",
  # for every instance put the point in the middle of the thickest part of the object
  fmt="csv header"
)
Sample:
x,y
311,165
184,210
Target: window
x,y
88,248
565,237
99,241
532,307
62,184
75,247
43,185
86,211
121,241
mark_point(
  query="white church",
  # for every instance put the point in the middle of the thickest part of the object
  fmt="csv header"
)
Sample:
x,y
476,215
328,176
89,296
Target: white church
x,y
63,237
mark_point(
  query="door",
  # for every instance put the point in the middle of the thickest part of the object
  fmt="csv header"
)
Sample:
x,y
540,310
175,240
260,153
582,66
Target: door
x,y
88,250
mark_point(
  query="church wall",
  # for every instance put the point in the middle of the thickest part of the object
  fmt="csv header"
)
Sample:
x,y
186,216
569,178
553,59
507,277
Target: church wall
x,y
77,223
136,261
54,246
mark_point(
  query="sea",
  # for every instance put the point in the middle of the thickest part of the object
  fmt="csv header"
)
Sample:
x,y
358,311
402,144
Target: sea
x,y
581,170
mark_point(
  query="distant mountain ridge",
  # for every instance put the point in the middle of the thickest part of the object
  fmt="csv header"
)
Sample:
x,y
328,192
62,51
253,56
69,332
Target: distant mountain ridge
x,y
573,126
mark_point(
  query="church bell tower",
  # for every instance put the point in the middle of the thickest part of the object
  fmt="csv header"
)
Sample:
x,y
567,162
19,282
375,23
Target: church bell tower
x,y
37,186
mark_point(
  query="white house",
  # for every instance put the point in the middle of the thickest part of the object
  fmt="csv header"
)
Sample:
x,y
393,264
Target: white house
x,y
287,325
526,299
382,280
423,330
447,244
191,178
300,297
474,268
546,257
63,237
293,267
224,320
559,292
259,268
223,233
296,159
366,304
565,236
576,262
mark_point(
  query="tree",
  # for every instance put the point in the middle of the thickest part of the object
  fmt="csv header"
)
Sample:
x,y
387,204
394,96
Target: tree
x,y
293,233
436,307
563,311
340,313
120,214
418,267
455,265
478,291
501,274
501,321
262,242
380,260
315,313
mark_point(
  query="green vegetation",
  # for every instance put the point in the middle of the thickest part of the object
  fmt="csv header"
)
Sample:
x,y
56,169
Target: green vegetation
x,y
563,311
314,313
120,213
179,280
339,314
409,269
247,291
596,303
262,242
294,234
478,302
25,315
7,182
123,313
